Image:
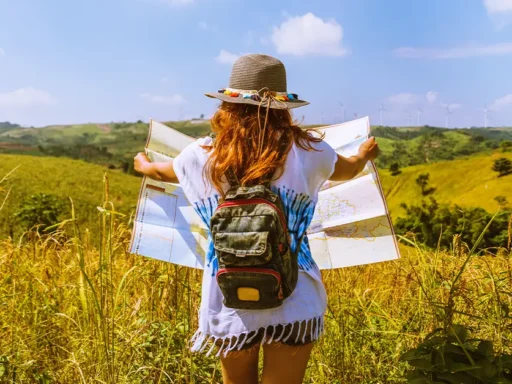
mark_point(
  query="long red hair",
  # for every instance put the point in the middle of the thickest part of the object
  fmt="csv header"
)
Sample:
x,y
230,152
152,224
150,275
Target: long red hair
x,y
254,142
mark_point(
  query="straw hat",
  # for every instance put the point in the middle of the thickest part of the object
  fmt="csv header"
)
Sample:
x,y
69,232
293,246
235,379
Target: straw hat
x,y
259,80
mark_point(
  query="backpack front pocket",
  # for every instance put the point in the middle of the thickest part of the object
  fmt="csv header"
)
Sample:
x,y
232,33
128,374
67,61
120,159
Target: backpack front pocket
x,y
242,248
250,288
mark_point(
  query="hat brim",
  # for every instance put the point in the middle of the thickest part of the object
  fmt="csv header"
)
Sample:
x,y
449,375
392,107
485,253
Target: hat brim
x,y
273,104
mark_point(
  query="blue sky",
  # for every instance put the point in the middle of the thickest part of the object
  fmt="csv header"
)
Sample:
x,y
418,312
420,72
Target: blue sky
x,y
65,62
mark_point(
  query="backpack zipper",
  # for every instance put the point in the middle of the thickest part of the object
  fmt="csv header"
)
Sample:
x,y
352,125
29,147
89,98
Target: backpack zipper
x,y
255,270
258,201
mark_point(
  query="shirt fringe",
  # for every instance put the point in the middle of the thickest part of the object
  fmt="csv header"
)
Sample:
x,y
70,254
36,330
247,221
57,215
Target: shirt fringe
x,y
201,341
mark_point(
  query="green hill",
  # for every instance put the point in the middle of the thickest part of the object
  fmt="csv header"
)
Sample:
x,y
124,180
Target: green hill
x,y
114,144
423,145
63,178
466,182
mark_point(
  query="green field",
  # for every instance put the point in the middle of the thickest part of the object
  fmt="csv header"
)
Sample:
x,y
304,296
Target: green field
x,y
120,139
466,182
63,178
114,144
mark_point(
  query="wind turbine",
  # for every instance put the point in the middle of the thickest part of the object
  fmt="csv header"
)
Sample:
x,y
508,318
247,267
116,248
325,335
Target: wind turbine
x,y
448,113
419,111
342,112
381,110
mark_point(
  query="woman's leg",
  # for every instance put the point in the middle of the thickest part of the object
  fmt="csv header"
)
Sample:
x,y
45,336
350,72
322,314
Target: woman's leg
x,y
285,364
241,367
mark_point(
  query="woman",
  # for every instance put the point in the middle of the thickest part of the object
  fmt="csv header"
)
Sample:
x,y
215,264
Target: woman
x,y
257,139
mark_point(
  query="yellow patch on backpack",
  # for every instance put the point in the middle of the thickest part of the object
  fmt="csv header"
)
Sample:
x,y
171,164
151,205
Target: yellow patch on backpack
x,y
248,294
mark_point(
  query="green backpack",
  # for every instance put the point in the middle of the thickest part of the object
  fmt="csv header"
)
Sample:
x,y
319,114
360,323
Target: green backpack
x,y
257,269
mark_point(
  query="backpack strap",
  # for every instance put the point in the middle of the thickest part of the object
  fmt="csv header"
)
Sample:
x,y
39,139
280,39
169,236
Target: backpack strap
x,y
232,179
235,183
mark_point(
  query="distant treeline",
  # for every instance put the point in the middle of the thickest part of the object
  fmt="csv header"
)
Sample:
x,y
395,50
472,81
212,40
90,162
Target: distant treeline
x,y
427,144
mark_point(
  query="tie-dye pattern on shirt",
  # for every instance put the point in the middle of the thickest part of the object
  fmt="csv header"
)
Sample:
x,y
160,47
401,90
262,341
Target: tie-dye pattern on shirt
x,y
299,210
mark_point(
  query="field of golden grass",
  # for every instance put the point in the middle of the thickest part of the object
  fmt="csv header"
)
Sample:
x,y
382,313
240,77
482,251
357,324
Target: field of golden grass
x,y
76,311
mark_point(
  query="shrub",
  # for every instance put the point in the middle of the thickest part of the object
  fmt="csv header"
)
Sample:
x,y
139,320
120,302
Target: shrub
x,y
451,357
40,212
395,169
503,166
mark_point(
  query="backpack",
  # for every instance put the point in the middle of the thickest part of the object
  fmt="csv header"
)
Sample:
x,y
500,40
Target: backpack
x,y
257,269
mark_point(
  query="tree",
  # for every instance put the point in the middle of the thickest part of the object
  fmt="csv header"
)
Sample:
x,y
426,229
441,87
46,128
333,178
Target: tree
x,y
399,151
477,139
506,145
503,166
423,181
395,169
433,224
202,116
502,201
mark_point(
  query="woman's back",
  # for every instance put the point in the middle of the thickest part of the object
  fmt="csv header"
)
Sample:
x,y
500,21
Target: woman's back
x,y
304,171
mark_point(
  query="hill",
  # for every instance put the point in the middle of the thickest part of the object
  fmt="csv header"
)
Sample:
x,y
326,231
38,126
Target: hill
x,y
468,182
114,144
61,178
6,126
422,145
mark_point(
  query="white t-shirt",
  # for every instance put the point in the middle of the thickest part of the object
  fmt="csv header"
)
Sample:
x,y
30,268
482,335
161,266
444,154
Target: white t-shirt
x,y
304,173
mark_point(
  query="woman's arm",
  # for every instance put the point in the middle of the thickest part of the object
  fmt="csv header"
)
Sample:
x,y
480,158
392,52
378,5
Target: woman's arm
x,y
347,168
162,171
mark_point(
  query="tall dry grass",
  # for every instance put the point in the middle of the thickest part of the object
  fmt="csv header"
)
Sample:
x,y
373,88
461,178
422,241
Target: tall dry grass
x,y
72,311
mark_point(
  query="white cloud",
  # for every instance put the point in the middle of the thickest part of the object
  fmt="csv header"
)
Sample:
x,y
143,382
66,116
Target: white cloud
x,y
498,6
226,57
26,97
309,35
502,103
455,52
2,52
431,97
169,100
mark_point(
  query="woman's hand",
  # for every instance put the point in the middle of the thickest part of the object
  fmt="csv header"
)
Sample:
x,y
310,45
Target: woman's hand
x,y
160,171
140,162
369,150
348,168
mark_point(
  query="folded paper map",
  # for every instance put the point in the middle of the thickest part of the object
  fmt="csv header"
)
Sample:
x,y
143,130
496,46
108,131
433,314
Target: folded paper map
x,y
351,225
